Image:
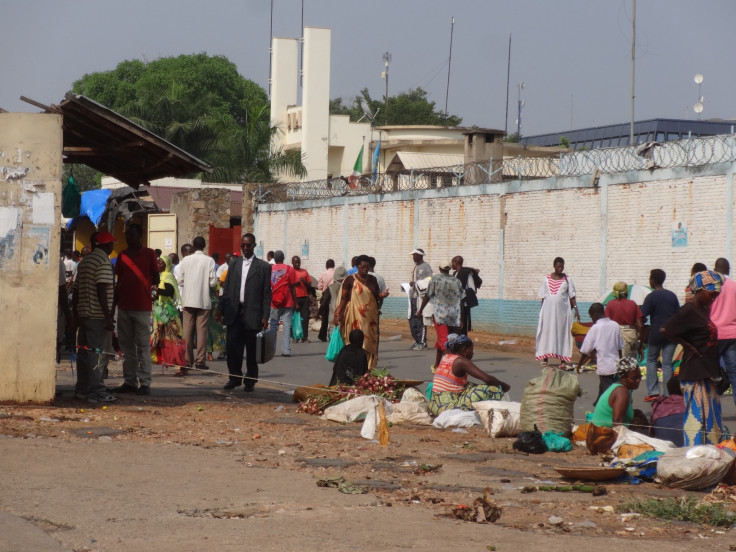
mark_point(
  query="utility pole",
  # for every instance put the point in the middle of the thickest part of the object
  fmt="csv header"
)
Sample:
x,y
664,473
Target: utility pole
x,y
449,65
508,75
386,60
633,65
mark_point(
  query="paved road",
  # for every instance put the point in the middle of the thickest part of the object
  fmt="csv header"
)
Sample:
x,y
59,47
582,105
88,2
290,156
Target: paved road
x,y
307,366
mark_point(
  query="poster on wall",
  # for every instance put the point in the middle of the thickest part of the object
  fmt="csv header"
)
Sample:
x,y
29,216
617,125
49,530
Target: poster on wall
x,y
11,224
679,236
39,240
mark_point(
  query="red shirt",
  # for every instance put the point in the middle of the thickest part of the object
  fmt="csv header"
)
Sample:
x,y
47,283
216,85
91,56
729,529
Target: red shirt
x,y
301,288
282,278
135,272
623,311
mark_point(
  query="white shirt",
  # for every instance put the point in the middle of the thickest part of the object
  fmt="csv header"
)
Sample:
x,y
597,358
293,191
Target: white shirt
x,y
196,277
244,277
605,339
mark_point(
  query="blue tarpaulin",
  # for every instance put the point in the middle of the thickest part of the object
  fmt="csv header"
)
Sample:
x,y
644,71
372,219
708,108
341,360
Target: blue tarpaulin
x,y
93,205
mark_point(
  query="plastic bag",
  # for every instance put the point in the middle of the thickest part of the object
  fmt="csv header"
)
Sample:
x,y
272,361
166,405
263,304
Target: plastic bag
x,y
297,332
555,442
531,442
456,418
413,409
549,400
499,418
705,469
335,346
629,437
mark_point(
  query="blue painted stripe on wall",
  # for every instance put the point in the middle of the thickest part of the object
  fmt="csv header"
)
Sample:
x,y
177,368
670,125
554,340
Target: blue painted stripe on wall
x,y
498,316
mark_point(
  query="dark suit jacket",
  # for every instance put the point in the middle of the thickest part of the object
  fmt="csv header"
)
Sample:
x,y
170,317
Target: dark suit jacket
x,y
257,304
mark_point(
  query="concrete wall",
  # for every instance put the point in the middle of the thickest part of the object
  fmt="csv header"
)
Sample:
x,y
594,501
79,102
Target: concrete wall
x,y
316,101
617,228
30,222
197,210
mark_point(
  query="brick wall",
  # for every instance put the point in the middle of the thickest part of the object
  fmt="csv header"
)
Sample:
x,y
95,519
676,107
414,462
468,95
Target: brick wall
x,y
616,228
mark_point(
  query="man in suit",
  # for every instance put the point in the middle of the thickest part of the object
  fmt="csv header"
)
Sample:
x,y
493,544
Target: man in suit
x,y
245,308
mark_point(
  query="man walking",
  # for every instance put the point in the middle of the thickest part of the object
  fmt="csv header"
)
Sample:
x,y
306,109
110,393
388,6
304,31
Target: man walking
x,y
196,277
283,300
303,288
92,309
723,315
445,292
420,271
658,306
470,281
137,273
245,309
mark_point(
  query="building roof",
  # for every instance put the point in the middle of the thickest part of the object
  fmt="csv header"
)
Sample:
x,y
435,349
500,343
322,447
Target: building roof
x,y
108,142
161,196
411,160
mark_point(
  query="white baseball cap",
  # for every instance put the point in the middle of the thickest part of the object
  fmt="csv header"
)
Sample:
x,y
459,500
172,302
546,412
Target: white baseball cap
x,y
417,251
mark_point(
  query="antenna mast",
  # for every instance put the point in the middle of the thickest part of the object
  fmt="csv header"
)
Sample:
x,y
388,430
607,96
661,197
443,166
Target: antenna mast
x,y
449,65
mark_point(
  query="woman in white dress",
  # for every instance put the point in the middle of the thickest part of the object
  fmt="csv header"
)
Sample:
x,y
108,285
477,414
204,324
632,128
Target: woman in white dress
x,y
554,339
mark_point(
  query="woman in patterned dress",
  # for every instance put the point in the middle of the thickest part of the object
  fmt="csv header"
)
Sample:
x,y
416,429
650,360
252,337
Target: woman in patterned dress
x,y
554,339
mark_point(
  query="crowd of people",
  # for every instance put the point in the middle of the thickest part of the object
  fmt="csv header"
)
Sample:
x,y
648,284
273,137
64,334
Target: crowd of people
x,y
182,311
686,404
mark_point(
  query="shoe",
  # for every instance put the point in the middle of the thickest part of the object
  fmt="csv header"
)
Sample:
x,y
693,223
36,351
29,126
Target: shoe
x,y
250,386
80,396
287,356
125,388
202,367
421,346
101,397
231,385
650,398
143,390
414,347
181,373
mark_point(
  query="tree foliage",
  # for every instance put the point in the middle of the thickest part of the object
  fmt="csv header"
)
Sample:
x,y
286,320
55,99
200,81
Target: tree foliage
x,y
201,104
407,108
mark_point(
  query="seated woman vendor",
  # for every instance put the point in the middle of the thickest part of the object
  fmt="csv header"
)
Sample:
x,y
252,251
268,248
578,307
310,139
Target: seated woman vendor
x,y
615,405
450,387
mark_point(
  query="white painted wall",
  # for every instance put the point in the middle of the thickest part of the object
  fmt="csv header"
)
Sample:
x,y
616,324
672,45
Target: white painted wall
x,y
316,102
284,83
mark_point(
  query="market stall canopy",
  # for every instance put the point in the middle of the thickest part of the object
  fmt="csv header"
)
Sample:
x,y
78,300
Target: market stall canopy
x,y
108,142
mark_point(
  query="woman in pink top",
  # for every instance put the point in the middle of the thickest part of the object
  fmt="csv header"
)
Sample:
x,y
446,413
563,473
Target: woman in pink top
x,y
450,387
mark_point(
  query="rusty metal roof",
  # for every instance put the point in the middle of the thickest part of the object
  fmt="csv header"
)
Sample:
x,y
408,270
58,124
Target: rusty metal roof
x,y
108,142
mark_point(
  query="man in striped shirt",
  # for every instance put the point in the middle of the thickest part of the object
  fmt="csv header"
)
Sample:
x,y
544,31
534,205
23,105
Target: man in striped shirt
x,y
92,304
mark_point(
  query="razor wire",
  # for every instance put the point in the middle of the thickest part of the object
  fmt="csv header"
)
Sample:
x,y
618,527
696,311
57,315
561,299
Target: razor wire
x,y
687,152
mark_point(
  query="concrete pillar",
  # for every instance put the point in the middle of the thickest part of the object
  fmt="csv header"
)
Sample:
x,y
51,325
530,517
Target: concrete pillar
x,y
30,230
284,82
316,102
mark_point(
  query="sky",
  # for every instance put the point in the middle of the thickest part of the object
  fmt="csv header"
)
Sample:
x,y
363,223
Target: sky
x,y
573,56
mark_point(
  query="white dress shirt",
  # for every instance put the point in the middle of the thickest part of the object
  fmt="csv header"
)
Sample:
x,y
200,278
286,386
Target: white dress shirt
x,y
196,277
244,277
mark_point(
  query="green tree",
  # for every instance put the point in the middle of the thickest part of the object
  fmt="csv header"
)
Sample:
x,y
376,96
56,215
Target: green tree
x,y
406,108
86,177
201,104
514,137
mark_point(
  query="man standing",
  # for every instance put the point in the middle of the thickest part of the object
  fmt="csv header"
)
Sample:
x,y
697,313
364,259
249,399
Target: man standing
x,y
92,309
196,277
658,306
269,257
626,314
604,341
470,281
723,315
303,288
283,300
325,279
137,273
420,271
245,308
445,292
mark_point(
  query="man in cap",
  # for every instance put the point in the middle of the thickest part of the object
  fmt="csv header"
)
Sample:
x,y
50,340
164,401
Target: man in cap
x,y
92,308
445,292
420,271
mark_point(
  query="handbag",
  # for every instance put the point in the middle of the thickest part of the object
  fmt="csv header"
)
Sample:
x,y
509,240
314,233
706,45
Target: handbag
x,y
297,332
335,346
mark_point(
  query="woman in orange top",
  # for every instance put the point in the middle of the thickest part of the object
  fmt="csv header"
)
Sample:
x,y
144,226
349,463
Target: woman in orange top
x,y
450,387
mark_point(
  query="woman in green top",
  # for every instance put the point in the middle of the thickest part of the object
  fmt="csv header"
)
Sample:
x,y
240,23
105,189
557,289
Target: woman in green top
x,y
615,407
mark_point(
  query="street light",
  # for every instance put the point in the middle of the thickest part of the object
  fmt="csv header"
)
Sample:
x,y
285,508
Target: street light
x,y
386,60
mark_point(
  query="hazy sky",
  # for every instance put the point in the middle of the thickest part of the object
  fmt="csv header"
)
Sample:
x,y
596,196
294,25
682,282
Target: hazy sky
x,y
573,55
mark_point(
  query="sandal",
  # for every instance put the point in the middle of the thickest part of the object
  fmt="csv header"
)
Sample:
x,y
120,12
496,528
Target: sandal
x,y
181,373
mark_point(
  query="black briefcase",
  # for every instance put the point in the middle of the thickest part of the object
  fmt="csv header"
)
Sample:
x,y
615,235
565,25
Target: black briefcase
x,y
265,346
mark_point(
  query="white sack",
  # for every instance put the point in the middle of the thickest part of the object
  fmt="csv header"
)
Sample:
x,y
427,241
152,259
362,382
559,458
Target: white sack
x,y
499,418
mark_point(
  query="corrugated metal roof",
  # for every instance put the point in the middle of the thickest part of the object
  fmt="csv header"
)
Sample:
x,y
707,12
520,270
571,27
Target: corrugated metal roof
x,y
411,160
